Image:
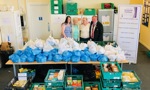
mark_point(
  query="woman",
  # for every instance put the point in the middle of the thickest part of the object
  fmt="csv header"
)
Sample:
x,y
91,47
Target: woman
x,y
66,28
75,29
84,28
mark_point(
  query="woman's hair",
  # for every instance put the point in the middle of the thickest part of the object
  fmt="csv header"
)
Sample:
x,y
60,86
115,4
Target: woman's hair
x,y
66,21
75,19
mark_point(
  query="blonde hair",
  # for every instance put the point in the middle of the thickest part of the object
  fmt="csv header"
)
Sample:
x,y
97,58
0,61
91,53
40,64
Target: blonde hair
x,y
75,19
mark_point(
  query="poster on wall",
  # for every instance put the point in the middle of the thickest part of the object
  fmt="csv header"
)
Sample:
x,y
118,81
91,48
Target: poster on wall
x,y
128,30
146,13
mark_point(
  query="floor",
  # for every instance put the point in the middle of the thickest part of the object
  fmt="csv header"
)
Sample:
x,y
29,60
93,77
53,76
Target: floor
x,y
141,68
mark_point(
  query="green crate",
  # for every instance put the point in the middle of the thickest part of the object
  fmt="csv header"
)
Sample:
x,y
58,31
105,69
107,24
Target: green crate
x,y
72,12
54,88
56,82
89,11
74,77
132,84
109,88
37,84
111,82
148,53
89,84
103,6
131,88
71,6
111,75
56,2
56,9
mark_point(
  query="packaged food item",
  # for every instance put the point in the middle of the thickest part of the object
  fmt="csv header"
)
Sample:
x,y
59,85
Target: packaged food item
x,y
69,81
20,83
87,88
129,77
74,83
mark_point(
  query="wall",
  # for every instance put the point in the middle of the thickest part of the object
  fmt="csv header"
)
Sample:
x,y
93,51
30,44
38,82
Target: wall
x,y
145,31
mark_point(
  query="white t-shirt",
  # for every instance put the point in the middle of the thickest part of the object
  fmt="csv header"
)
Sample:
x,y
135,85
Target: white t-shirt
x,y
84,31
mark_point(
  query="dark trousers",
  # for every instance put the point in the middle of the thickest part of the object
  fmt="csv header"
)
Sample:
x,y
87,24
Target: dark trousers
x,y
84,39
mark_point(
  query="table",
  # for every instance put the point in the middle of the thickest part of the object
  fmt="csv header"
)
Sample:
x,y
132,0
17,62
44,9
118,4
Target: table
x,y
9,62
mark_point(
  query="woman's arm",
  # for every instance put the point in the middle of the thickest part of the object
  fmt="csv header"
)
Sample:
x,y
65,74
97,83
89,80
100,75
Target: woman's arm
x,y
63,30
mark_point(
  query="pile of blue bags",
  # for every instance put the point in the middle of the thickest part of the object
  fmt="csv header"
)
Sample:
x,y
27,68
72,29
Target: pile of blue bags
x,y
31,55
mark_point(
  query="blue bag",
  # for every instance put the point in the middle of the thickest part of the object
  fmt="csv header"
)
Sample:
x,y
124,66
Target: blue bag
x,y
40,58
19,52
15,58
103,58
87,52
94,57
66,59
23,58
57,58
49,57
54,51
67,54
82,53
36,51
75,59
30,58
46,54
77,53
85,58
28,52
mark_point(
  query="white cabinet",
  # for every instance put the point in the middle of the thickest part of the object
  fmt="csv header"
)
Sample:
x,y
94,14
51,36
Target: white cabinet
x,y
11,30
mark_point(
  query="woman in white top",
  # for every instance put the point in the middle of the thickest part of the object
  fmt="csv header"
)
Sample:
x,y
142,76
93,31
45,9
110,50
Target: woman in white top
x,y
75,29
84,28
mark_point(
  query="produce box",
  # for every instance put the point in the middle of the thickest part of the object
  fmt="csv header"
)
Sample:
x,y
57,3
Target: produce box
x,y
130,80
14,84
71,6
109,88
131,88
54,88
107,6
74,82
89,11
92,86
55,77
37,86
111,70
111,82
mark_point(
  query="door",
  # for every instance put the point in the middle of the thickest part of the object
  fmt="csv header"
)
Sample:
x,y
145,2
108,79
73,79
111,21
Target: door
x,y
38,18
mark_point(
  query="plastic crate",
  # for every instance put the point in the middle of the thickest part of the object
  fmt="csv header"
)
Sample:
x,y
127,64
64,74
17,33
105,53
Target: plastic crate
x,y
89,84
109,88
54,88
55,82
71,6
132,84
74,77
56,2
56,9
111,75
103,6
11,87
72,12
37,84
89,11
148,53
131,88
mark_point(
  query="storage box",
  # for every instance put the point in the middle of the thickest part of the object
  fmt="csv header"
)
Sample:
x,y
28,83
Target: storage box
x,y
131,88
107,6
12,82
111,83
111,75
90,84
40,85
89,11
132,84
56,2
71,6
54,88
74,82
72,12
52,74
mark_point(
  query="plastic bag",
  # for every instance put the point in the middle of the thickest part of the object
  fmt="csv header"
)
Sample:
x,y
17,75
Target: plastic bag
x,y
103,58
49,57
82,53
47,47
93,49
30,44
83,46
30,58
66,56
39,43
57,58
28,51
100,50
23,58
94,57
87,52
54,51
77,53
66,59
85,58
53,42
19,52
46,53
36,51
41,58
75,59
15,58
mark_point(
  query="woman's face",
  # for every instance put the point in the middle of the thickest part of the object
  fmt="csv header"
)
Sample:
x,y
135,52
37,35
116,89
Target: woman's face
x,y
69,19
75,21
84,20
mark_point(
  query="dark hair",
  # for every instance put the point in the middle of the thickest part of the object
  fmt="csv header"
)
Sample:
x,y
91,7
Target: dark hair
x,y
66,20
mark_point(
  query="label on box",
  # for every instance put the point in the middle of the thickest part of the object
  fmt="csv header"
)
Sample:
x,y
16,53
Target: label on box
x,y
56,2
22,74
56,7
22,78
56,12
